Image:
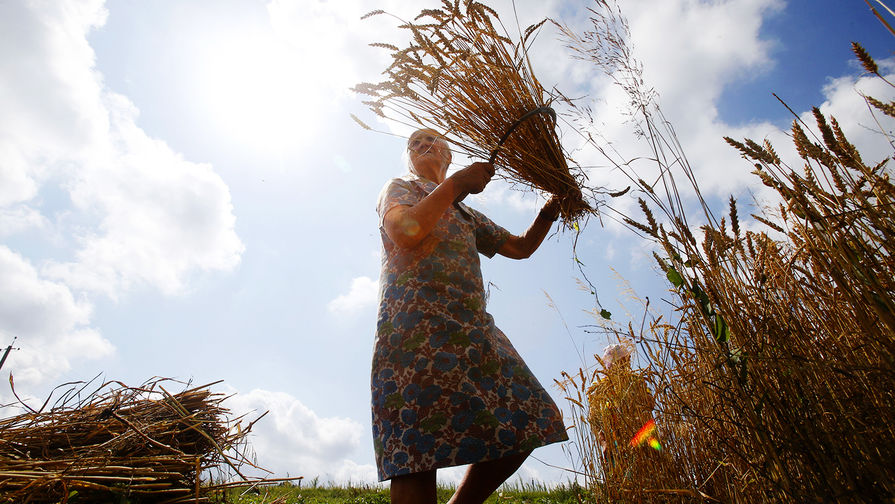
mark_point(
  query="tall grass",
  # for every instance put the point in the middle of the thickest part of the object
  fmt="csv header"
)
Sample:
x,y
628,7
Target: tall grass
x,y
775,379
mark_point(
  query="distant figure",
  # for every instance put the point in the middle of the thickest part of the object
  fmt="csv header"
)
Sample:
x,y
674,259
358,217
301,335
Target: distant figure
x,y
448,387
620,404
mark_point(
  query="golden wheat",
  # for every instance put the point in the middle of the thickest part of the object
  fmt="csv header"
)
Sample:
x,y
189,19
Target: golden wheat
x,y
462,75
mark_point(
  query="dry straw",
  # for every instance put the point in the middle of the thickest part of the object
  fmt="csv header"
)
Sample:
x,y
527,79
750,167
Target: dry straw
x,y
774,376
461,74
118,442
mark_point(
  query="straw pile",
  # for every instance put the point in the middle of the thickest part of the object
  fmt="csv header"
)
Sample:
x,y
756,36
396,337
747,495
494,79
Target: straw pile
x,y
463,76
118,442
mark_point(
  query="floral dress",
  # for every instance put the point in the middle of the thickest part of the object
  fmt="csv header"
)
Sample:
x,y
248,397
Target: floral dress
x,y
448,388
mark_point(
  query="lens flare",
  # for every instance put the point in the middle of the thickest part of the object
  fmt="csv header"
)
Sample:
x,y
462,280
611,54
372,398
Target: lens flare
x,y
410,226
644,434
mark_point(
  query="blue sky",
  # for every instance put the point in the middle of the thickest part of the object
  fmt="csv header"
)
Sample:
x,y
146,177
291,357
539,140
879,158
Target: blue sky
x,y
811,41
184,194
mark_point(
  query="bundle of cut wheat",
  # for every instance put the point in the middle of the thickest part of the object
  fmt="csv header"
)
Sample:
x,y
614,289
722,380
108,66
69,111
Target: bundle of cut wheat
x,y
119,442
463,76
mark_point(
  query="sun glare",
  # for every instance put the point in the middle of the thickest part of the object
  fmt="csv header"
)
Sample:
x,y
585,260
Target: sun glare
x,y
255,93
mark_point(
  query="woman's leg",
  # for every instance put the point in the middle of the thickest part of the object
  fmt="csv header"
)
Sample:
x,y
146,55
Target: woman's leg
x,y
483,478
416,488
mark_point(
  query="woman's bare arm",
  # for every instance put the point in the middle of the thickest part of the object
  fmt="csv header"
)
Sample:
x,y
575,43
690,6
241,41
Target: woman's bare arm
x,y
523,246
408,225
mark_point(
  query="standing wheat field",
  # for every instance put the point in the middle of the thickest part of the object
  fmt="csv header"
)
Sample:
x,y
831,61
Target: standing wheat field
x,y
774,376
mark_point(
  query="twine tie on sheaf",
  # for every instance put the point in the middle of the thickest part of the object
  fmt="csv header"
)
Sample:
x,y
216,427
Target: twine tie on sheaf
x,y
531,113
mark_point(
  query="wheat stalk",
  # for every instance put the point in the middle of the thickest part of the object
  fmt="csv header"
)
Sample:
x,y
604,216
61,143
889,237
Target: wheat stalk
x,y
461,74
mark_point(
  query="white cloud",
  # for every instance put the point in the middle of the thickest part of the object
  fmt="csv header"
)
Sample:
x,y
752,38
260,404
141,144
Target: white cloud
x,y
143,214
610,251
19,218
292,439
690,51
871,134
125,209
17,183
48,88
269,86
51,324
687,46
842,100
363,294
162,217
503,196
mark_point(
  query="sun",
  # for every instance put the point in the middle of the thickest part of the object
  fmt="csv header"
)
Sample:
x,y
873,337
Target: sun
x,y
255,92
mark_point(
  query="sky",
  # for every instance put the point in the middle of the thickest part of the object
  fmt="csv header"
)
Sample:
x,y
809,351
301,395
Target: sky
x,y
183,193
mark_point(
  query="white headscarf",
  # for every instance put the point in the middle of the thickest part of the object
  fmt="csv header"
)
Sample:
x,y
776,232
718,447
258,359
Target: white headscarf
x,y
617,351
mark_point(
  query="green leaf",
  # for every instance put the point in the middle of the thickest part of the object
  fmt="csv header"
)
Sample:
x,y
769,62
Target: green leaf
x,y
701,297
605,314
575,226
695,290
704,300
674,277
721,331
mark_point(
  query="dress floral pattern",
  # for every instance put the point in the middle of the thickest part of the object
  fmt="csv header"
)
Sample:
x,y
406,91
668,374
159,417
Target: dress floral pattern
x,y
448,388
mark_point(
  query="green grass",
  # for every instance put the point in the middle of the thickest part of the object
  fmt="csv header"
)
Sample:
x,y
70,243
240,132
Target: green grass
x,y
533,493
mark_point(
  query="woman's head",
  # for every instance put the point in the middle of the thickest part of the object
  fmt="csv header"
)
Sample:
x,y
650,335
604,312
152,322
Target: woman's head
x,y
617,352
428,154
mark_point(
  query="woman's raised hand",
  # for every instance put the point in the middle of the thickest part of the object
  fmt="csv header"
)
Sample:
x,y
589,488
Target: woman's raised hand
x,y
473,178
551,210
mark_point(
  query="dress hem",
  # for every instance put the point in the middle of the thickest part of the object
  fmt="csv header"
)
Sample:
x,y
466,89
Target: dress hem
x,y
447,463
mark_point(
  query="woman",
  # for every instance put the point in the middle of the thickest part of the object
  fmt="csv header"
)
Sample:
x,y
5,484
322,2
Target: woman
x,y
448,387
620,404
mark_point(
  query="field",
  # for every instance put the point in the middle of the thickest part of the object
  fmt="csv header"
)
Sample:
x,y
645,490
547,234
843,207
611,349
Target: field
x,y
328,494
771,377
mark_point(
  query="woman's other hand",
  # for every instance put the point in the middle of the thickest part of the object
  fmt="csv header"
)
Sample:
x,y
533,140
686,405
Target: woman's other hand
x,y
473,178
551,209
521,247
